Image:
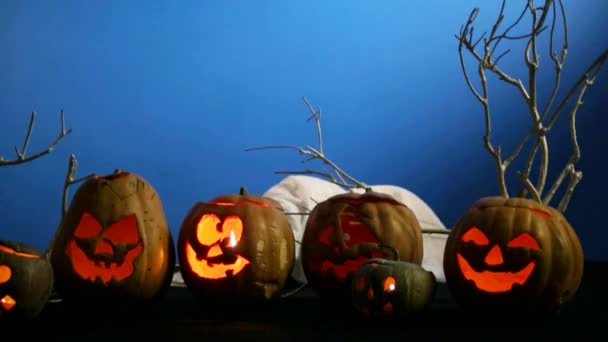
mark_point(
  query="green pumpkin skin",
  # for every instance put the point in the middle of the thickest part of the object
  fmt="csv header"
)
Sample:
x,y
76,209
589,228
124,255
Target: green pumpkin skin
x,y
30,282
413,291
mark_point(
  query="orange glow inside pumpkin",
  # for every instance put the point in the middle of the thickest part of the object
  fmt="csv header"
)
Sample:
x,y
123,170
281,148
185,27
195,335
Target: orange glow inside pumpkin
x,y
389,284
9,250
249,202
113,251
7,303
5,274
354,232
220,237
493,281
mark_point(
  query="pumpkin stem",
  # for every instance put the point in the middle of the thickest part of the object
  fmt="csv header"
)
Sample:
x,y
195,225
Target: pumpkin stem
x,y
392,249
243,191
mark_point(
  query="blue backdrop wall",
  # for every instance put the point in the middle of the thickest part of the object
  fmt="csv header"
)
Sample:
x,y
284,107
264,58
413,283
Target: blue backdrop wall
x,y
176,90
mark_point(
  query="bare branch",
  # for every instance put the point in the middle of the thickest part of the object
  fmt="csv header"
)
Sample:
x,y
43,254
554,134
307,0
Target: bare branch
x,y
575,177
528,168
21,154
487,61
317,153
316,115
70,179
591,72
529,186
576,152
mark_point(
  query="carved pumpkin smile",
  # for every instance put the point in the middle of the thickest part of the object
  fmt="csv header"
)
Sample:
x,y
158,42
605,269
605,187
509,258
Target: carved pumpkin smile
x,y
104,255
496,281
235,248
218,238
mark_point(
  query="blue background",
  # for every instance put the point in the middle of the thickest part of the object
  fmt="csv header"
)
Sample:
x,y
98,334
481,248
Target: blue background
x,y
176,90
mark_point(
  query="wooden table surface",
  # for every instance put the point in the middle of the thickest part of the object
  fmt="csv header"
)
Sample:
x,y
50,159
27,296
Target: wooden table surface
x,y
305,317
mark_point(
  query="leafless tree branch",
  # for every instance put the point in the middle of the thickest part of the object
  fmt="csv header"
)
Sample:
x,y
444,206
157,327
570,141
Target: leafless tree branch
x,y
486,61
21,153
341,178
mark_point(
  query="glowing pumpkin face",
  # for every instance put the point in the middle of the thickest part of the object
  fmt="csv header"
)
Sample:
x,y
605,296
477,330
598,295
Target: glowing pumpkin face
x,y
26,279
383,288
348,229
496,281
236,247
104,254
218,239
114,245
513,254
7,303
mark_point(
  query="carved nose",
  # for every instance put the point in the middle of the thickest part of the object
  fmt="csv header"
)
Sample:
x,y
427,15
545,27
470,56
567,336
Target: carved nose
x,y
494,256
102,247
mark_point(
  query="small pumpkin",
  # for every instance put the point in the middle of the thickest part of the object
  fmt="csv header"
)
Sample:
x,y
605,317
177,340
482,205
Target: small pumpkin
x,y
384,288
345,230
513,254
26,281
114,244
236,248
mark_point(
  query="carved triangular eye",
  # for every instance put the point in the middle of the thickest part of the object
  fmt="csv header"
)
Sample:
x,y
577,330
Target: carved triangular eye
x,y
476,236
88,227
524,240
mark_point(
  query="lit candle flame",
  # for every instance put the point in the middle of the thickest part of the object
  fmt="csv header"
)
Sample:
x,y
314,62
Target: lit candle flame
x,y
232,241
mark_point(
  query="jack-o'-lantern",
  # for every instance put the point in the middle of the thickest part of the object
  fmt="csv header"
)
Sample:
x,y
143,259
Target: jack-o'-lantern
x,y
236,248
513,254
26,280
387,288
345,230
113,243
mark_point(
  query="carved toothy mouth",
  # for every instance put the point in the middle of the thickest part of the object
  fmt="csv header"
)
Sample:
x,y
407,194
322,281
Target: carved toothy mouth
x,y
494,282
205,269
91,270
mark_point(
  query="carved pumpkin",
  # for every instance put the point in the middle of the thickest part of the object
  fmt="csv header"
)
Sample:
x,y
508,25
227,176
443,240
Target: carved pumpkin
x,y
513,254
114,242
236,248
26,280
345,230
382,288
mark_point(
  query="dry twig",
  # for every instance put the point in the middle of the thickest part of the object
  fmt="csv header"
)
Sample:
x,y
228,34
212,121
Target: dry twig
x,y
338,177
21,153
70,179
542,120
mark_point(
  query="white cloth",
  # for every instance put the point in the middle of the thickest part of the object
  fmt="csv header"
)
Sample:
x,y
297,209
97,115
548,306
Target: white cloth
x,y
300,194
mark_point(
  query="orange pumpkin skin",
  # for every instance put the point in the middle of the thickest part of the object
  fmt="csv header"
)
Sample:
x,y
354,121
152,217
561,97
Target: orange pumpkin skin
x,y
113,245
252,266
348,229
513,255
